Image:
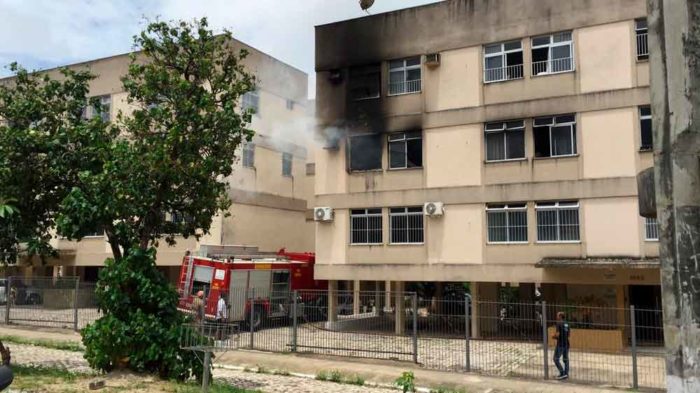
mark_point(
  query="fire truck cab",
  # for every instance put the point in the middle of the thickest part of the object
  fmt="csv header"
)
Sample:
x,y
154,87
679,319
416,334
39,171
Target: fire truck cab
x,y
261,282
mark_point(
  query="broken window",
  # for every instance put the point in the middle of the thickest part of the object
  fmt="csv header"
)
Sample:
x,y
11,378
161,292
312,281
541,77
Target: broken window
x,y
366,226
647,140
404,75
557,222
505,140
406,150
406,225
503,61
640,27
365,82
249,155
365,152
286,164
555,136
507,223
552,53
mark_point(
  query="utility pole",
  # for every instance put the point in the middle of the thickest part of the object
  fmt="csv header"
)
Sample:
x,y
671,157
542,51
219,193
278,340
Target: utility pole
x,y
674,46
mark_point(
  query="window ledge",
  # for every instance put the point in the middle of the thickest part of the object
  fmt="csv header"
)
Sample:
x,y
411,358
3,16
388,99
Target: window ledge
x,y
646,149
404,94
556,157
366,98
503,80
406,244
356,171
651,240
365,244
506,161
288,176
543,74
642,60
558,242
507,243
414,168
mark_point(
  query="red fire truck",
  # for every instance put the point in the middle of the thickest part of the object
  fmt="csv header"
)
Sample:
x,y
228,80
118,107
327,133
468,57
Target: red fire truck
x,y
264,282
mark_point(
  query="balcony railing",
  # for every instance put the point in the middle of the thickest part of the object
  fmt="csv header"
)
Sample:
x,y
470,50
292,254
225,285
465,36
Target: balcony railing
x,y
642,46
552,66
404,87
503,73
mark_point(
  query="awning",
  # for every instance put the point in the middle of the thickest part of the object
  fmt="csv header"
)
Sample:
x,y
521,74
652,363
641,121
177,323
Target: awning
x,y
599,263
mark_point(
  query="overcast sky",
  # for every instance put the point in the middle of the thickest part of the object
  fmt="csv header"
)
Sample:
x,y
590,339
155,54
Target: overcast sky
x,y
48,33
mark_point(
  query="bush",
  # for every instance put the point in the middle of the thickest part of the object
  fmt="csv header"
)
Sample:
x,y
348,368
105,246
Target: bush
x,y
406,382
141,326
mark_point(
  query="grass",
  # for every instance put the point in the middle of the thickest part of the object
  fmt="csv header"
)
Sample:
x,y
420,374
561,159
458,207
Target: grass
x,y
338,377
214,388
52,344
32,378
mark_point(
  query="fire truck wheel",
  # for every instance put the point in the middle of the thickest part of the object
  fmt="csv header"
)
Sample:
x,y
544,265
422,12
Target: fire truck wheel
x,y
259,320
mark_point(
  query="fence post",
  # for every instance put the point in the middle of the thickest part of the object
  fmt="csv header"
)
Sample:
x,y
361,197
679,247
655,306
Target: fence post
x,y
8,299
633,324
414,307
294,320
545,341
75,304
205,374
252,316
467,331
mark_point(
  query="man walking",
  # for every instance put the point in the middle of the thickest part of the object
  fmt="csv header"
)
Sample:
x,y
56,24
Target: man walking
x,y
562,349
198,307
221,316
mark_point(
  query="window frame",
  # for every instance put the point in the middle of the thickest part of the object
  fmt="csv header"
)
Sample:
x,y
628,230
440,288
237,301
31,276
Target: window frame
x,y
550,47
404,68
246,103
417,211
287,163
651,224
503,53
505,129
348,153
642,146
248,155
641,35
507,208
572,132
366,73
558,207
367,213
405,138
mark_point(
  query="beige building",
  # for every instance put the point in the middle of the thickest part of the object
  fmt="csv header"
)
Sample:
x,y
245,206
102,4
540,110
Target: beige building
x,y
271,186
489,142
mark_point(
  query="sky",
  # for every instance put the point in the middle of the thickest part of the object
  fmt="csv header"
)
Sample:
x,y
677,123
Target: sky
x,y
48,33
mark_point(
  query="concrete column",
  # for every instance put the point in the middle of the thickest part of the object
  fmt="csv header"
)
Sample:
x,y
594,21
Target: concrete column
x,y
476,325
674,44
387,296
356,297
378,307
399,309
332,301
622,314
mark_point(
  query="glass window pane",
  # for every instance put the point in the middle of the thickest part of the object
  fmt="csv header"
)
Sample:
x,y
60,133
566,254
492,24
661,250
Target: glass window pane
x,y
561,52
414,153
641,24
566,119
396,76
497,229
515,144
645,111
495,126
517,226
396,64
547,225
542,40
569,229
491,49
515,124
562,37
413,75
561,141
495,146
542,148
647,136
494,62
397,154
513,45
412,61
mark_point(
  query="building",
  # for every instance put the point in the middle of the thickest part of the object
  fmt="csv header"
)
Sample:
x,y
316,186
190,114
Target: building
x,y
493,142
271,187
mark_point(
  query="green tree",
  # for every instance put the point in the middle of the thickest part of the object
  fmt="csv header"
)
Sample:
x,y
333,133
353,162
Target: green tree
x,y
159,171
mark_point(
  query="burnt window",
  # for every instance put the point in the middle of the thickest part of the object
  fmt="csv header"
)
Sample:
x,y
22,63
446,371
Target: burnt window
x,y
365,152
552,53
505,140
503,61
645,127
555,136
365,82
406,150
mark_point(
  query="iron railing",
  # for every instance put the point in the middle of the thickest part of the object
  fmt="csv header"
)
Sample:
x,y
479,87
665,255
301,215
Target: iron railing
x,y
642,46
552,66
404,87
504,73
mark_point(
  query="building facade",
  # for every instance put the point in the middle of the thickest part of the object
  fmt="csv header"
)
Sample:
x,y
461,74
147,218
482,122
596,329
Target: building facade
x,y
271,186
489,142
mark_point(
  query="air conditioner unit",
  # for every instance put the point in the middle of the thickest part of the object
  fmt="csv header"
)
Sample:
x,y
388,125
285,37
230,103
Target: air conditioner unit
x,y
432,59
323,214
433,209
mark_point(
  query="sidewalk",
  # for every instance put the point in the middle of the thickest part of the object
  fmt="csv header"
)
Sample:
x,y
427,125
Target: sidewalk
x,y
373,371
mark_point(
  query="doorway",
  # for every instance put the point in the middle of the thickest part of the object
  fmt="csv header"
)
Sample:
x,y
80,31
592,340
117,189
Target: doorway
x,y
646,300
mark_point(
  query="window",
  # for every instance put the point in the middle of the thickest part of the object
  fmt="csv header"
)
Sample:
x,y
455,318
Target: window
x,y
286,164
251,101
178,218
640,27
365,82
555,136
290,105
406,225
97,231
557,222
507,223
645,128
552,53
366,226
202,280
406,150
404,76
365,152
503,61
651,229
106,114
249,155
505,140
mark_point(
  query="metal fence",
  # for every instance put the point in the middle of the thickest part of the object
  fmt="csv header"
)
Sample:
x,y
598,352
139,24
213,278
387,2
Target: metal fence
x,y
60,302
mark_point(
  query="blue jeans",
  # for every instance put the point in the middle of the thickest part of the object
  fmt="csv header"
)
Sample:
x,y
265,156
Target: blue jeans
x,y
559,353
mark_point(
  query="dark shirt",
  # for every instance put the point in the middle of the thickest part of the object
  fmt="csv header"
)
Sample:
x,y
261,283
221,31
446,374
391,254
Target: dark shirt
x,y
563,331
